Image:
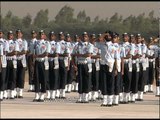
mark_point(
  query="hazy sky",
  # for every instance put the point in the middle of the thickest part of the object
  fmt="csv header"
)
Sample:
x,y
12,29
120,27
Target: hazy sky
x,y
93,9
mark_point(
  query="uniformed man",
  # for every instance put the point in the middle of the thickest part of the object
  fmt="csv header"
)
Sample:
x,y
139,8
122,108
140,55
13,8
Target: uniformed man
x,y
21,63
70,72
127,68
10,83
4,48
95,69
31,60
151,57
53,65
41,66
157,69
119,68
63,65
83,51
75,81
135,68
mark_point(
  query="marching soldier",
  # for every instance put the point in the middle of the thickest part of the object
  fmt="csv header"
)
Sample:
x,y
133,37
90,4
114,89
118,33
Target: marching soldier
x,y
21,63
95,70
4,48
127,77
10,83
63,66
41,66
71,72
31,60
53,64
119,65
83,51
75,82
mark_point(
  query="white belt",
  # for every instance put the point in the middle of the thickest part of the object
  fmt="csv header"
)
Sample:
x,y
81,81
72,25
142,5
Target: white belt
x,y
133,61
82,62
40,59
151,60
126,60
93,60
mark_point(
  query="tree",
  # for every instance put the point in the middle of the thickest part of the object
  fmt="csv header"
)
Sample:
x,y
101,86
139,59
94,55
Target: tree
x,y
65,15
81,17
26,21
41,19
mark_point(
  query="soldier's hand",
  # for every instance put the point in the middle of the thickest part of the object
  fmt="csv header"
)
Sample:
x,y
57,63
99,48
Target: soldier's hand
x,y
115,73
34,56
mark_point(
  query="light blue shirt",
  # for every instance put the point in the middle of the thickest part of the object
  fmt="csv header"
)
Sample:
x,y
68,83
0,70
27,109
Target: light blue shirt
x,y
63,47
31,45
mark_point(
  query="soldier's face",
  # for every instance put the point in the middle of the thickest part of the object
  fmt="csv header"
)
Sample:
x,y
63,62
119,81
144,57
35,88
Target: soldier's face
x,y
62,37
85,38
10,36
19,35
68,39
126,38
114,40
53,37
34,35
42,36
1,34
132,40
139,40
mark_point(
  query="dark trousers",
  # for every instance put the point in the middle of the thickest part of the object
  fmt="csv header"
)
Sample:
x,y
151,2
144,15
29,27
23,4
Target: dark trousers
x,y
100,77
135,78
53,76
10,82
108,80
117,83
31,64
62,75
94,78
2,79
157,74
142,78
146,82
84,79
20,75
40,77
127,78
70,73
151,73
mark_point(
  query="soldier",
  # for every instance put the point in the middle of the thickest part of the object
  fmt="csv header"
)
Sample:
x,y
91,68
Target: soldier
x,y
127,68
31,60
95,70
10,82
83,51
71,72
119,65
135,68
4,48
21,63
151,57
157,69
53,64
63,66
75,81
41,65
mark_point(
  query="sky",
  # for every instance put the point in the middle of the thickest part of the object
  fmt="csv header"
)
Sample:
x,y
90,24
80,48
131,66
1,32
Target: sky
x,y
93,9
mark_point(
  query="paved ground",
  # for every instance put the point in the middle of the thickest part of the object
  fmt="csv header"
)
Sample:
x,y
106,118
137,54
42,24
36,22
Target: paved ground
x,y
25,108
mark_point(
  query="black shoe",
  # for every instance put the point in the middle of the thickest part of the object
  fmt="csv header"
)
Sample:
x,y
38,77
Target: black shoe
x,y
109,105
1,100
85,101
63,97
102,105
150,91
115,104
157,95
29,91
79,101
139,99
40,100
132,101
12,98
35,100
20,96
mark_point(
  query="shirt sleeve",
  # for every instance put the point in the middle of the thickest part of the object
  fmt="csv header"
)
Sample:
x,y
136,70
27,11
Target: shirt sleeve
x,y
25,45
90,49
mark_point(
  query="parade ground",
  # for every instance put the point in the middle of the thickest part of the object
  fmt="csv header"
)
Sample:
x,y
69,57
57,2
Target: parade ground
x,y
68,108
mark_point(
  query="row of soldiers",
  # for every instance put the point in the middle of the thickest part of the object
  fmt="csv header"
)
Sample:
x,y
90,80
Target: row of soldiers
x,y
103,67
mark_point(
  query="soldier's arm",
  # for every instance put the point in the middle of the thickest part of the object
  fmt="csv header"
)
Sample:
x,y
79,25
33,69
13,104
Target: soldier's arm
x,y
11,53
95,56
42,55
